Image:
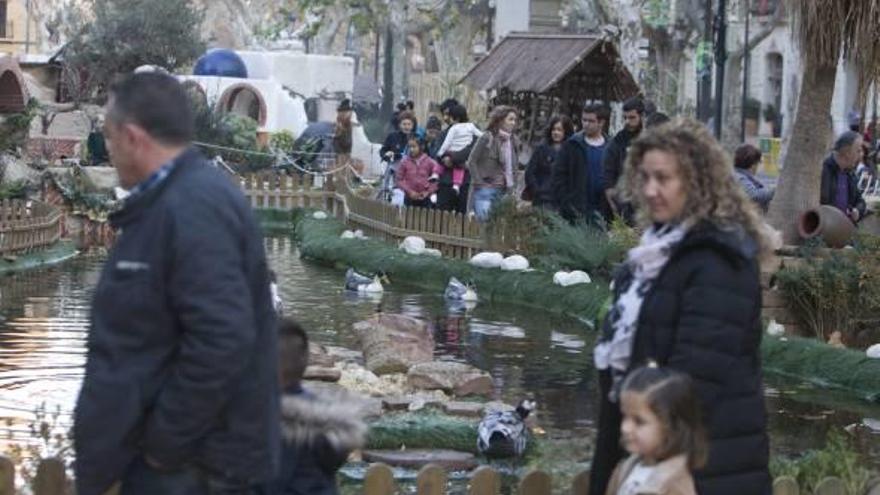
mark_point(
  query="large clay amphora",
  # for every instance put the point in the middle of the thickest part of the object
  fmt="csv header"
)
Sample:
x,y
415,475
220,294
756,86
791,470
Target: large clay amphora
x,y
828,223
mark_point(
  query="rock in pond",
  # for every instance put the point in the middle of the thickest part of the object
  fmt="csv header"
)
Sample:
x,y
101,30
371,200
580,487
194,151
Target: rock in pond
x,y
318,356
457,378
393,343
450,460
371,407
322,374
410,402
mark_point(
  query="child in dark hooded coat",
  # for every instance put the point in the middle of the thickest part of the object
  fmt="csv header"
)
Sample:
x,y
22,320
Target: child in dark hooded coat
x,y
320,429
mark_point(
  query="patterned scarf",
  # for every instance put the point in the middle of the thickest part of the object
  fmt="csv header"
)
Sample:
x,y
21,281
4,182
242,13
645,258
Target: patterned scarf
x,y
642,266
507,156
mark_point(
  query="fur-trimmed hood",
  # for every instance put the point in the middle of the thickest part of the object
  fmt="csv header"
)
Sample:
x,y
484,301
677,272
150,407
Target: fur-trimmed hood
x,y
336,414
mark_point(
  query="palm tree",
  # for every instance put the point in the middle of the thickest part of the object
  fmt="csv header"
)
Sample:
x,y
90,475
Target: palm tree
x,y
826,29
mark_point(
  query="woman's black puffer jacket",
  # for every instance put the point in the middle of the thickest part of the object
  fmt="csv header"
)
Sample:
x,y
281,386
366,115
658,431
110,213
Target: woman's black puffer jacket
x,y
702,317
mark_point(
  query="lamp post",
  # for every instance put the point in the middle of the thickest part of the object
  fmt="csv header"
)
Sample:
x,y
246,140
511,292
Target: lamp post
x,y
747,61
27,26
720,60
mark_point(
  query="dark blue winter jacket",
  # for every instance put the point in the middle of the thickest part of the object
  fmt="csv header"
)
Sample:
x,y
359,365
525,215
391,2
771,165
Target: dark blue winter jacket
x,y
182,351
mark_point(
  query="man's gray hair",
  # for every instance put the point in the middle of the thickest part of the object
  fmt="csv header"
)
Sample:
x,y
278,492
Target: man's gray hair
x,y
846,140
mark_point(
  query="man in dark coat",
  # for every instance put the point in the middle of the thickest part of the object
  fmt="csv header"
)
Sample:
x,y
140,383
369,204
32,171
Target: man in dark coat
x,y
180,394
839,183
702,316
615,155
578,185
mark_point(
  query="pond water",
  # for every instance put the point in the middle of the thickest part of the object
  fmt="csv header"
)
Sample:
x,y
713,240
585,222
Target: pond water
x,y
528,352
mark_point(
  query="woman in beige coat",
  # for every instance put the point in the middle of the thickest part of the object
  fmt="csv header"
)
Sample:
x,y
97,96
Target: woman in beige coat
x,y
493,162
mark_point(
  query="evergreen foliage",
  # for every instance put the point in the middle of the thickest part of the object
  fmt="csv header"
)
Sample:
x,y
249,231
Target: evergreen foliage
x,y
838,459
833,291
823,365
319,240
112,37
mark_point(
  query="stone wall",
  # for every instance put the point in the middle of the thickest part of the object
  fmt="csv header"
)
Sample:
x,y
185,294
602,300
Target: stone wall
x,y
774,306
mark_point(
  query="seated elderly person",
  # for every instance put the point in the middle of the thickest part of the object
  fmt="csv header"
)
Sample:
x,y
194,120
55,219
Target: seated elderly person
x,y
839,183
746,160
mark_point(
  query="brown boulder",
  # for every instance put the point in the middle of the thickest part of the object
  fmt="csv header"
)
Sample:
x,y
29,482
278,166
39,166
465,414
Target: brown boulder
x,y
456,378
318,356
393,343
321,374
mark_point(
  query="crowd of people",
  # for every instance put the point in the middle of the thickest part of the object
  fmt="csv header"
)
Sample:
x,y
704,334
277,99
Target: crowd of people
x,y
192,386
454,165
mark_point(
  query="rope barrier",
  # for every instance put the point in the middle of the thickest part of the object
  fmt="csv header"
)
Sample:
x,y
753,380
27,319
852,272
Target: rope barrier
x,y
286,160
281,158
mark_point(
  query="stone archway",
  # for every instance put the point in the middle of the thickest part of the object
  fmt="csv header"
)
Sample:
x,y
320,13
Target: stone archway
x,y
244,99
13,92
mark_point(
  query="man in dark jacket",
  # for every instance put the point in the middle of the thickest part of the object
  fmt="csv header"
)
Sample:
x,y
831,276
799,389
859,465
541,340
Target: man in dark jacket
x,y
577,176
839,183
615,154
181,390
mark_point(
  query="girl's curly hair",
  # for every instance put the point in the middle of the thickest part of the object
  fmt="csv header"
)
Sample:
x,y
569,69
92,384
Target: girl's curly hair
x,y
714,195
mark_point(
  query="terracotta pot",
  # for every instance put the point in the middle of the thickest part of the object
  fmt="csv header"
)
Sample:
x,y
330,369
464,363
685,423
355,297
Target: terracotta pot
x,y
826,222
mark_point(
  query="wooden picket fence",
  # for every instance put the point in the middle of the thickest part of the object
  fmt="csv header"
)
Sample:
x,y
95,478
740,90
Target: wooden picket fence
x,y
433,480
28,225
51,479
286,192
456,235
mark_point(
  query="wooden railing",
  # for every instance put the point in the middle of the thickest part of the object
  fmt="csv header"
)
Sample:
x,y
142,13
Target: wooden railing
x,y
454,234
51,479
432,480
27,225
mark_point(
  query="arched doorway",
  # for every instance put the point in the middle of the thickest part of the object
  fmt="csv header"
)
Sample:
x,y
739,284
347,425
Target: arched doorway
x,y
13,98
244,99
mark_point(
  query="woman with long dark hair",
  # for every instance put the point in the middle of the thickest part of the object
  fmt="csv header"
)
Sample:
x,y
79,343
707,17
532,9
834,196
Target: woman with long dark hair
x,y
539,172
494,160
688,297
395,143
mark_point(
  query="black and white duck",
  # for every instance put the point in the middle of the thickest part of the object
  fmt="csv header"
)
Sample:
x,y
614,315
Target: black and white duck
x,y
505,433
363,284
457,291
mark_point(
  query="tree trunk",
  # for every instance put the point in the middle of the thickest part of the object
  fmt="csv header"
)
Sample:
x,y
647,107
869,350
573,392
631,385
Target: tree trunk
x,y
388,75
733,108
801,175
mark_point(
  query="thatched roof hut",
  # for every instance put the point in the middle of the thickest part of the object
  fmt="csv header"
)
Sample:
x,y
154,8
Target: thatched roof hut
x,y
547,74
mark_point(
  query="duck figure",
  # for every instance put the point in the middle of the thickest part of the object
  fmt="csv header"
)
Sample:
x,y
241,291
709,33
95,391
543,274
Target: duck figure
x,y
357,282
504,433
457,291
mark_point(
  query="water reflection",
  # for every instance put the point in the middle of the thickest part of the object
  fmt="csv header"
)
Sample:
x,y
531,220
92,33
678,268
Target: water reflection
x,y
44,317
42,342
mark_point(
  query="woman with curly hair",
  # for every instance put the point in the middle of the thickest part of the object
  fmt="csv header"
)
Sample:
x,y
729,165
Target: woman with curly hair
x,y
688,297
